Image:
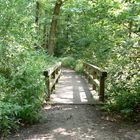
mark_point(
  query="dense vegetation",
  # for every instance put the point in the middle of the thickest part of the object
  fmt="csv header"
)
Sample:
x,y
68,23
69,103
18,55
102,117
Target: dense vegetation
x,y
104,32
21,66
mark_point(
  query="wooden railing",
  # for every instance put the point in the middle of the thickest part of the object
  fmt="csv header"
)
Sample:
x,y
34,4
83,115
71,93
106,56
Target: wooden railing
x,y
51,77
96,76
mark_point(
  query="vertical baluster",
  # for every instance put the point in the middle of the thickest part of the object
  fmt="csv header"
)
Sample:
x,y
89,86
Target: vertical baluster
x,y
47,82
102,86
53,76
57,74
88,74
94,77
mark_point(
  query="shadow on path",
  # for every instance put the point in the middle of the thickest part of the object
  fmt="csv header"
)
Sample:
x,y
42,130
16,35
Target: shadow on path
x,y
77,122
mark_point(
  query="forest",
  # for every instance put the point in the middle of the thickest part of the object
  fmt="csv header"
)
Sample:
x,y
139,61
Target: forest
x,y
36,34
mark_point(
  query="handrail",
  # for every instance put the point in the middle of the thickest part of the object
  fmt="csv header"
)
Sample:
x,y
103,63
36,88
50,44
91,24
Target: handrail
x,y
96,76
51,77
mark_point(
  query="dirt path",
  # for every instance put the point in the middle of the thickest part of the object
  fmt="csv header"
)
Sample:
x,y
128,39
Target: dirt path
x,y
78,122
76,118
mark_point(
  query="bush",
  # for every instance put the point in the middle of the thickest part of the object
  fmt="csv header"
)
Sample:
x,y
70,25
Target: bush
x,y
68,62
21,85
71,62
8,117
79,66
123,92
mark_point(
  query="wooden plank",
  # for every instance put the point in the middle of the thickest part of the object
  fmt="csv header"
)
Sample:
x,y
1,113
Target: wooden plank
x,y
102,88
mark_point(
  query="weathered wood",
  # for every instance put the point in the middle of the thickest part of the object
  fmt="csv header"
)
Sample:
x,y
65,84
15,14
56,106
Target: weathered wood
x,y
49,71
95,68
102,88
96,76
51,77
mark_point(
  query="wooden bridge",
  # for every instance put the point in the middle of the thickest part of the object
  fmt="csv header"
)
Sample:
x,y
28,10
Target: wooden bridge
x,y
73,88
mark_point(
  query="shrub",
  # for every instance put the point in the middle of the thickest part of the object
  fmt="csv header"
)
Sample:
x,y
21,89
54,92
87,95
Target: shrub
x,y
71,62
79,66
127,104
21,85
8,117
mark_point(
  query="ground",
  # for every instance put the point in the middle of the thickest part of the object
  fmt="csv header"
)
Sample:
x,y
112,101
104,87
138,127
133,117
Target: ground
x,y
78,122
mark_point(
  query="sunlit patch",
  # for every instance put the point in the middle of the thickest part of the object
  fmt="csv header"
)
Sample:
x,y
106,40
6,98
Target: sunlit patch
x,y
59,130
47,107
67,109
82,93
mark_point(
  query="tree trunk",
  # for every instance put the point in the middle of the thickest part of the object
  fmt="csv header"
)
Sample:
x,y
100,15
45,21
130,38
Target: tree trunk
x,y
45,36
37,24
37,13
52,34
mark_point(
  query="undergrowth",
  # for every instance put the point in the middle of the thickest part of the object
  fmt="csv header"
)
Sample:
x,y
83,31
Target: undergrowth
x,y
71,62
21,86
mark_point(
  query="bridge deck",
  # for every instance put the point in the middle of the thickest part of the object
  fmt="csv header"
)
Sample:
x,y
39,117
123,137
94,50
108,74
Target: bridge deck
x,y
72,89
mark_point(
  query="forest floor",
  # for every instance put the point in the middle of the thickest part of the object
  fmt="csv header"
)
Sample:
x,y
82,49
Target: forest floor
x,y
72,115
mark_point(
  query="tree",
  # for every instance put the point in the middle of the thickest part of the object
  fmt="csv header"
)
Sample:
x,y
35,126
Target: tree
x,y
53,29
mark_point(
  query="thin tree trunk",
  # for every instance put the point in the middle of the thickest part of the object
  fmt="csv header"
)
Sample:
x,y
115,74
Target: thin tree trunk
x,y
68,24
53,29
37,13
45,36
37,24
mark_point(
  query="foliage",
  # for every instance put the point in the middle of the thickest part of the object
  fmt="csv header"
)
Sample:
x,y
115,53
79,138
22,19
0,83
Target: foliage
x,y
8,114
22,61
69,62
105,33
22,86
73,63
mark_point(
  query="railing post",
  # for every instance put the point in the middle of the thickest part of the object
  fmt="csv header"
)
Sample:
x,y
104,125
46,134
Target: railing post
x,y
102,86
48,85
88,70
94,77
101,90
53,76
47,82
57,71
